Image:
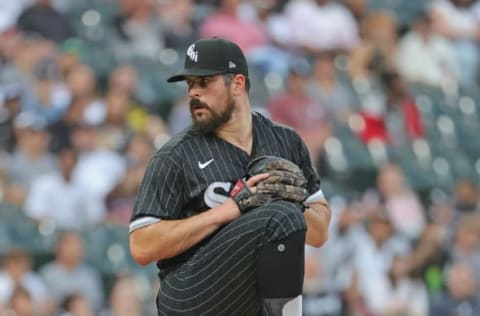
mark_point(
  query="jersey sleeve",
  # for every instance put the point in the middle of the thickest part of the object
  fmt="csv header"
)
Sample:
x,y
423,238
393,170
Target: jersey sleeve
x,y
161,192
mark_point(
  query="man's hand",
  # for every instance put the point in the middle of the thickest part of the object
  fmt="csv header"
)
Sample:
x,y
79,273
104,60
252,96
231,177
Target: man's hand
x,y
246,194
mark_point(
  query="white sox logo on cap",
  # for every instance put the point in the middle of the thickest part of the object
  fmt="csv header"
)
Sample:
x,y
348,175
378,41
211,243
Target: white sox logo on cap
x,y
218,56
192,53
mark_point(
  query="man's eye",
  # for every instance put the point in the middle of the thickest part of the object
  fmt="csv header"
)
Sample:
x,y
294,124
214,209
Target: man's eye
x,y
204,82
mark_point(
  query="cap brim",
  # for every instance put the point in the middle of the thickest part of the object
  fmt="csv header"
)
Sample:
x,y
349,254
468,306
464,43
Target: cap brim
x,y
194,72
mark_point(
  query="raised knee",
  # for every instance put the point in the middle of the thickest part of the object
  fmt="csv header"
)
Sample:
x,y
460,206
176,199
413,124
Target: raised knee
x,y
286,217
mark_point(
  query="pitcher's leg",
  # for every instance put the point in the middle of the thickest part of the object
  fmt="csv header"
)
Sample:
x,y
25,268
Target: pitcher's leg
x,y
221,278
280,273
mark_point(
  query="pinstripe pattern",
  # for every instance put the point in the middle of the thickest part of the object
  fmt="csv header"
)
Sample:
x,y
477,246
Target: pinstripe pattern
x,y
220,278
217,276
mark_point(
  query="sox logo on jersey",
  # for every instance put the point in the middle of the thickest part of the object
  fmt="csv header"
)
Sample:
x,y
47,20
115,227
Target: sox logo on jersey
x,y
216,193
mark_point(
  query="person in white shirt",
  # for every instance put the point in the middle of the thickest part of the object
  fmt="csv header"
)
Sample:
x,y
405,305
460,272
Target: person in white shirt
x,y
373,258
69,274
456,21
320,25
58,198
16,272
425,57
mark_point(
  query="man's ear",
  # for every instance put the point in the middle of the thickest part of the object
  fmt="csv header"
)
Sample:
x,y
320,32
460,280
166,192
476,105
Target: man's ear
x,y
238,84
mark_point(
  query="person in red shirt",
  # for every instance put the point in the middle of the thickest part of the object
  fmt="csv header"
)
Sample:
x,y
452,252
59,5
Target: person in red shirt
x,y
297,109
401,121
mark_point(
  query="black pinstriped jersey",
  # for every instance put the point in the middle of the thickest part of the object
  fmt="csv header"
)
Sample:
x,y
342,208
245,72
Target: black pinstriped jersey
x,y
193,172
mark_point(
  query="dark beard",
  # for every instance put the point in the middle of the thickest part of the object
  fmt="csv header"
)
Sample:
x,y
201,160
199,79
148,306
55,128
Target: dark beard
x,y
211,124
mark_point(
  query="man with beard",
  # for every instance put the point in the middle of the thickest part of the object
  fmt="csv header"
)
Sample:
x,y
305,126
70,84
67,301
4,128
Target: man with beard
x,y
216,256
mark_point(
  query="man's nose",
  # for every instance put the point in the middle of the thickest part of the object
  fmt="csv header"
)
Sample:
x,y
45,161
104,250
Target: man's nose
x,y
194,91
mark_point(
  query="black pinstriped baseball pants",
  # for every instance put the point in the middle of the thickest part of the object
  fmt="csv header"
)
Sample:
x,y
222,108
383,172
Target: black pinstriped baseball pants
x,y
220,278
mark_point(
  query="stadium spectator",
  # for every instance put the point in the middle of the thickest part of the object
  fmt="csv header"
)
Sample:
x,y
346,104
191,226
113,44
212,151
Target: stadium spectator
x,y
10,45
466,197
17,272
137,31
398,121
86,107
81,83
318,298
377,49
246,23
11,107
76,305
374,55
337,254
425,57
21,59
121,199
30,158
401,203
56,198
179,117
123,79
406,293
68,274
61,132
373,259
42,19
429,258
20,303
466,243
70,55
354,299
403,118
10,12
455,20
226,23
334,27
462,296
297,109
359,9
116,129
180,22
125,298
98,170
49,98
334,262
325,87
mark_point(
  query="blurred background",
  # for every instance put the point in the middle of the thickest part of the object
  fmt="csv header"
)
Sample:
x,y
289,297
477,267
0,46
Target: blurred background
x,y
385,93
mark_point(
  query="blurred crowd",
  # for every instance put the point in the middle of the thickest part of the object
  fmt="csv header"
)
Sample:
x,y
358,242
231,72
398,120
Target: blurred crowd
x,y
384,93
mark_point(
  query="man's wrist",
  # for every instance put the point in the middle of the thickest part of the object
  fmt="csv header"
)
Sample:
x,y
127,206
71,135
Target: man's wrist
x,y
230,210
232,204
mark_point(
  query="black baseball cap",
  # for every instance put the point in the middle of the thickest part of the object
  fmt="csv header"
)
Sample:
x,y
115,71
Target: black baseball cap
x,y
212,56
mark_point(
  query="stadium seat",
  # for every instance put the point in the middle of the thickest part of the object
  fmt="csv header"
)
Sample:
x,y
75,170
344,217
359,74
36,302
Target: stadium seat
x,y
19,231
107,248
153,88
5,239
349,160
415,160
429,113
